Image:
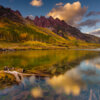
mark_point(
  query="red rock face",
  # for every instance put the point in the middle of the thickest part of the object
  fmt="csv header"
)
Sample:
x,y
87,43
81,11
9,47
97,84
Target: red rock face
x,y
48,22
17,13
10,14
63,29
59,26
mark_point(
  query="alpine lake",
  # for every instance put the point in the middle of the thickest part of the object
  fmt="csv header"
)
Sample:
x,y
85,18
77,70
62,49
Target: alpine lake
x,y
50,75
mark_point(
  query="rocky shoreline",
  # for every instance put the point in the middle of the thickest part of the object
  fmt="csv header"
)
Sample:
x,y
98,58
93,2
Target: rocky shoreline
x,y
3,49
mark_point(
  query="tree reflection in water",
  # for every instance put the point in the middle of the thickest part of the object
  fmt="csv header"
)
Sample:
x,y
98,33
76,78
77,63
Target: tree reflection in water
x,y
80,82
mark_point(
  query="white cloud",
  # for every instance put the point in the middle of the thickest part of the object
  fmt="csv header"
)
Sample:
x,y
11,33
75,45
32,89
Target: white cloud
x,y
71,13
59,4
69,83
31,17
92,13
95,32
36,3
89,23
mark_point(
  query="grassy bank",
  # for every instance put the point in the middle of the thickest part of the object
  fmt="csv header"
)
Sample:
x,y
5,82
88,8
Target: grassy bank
x,y
36,45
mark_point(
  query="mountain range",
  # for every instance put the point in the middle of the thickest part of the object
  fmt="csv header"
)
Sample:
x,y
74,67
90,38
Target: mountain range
x,y
61,28
17,32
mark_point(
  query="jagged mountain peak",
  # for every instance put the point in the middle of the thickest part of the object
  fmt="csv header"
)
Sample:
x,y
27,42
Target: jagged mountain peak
x,y
60,27
48,22
10,14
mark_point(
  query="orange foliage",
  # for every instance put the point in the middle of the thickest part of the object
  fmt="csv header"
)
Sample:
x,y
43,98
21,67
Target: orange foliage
x,y
1,25
23,36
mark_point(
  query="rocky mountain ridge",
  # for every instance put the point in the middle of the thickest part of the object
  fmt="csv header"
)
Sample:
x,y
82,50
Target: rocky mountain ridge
x,y
61,28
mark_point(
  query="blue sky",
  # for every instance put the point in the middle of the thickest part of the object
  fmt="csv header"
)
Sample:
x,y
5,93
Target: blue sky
x,y
47,6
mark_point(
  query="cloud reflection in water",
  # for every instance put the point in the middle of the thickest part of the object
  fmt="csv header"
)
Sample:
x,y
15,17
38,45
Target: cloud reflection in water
x,y
75,80
69,83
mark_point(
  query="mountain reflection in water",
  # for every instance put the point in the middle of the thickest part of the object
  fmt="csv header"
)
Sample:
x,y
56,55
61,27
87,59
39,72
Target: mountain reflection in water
x,y
81,82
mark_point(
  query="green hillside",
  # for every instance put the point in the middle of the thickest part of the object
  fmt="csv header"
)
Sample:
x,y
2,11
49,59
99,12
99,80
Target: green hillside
x,y
28,34
16,35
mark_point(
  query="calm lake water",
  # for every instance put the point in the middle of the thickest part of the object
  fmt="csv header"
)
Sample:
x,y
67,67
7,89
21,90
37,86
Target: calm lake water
x,y
68,75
